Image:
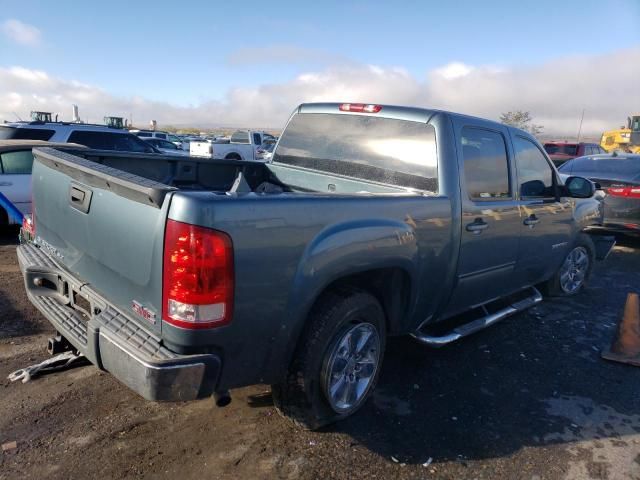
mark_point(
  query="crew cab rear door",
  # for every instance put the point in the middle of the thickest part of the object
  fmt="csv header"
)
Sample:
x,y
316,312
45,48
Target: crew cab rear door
x,y
490,217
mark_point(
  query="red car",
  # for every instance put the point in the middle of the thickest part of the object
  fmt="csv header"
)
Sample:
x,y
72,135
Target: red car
x,y
560,152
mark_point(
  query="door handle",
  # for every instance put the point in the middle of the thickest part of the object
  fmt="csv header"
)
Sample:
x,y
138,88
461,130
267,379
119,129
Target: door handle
x,y
531,221
6,184
477,226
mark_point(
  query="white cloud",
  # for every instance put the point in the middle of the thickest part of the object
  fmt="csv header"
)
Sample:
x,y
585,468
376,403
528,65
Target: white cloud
x,y
555,93
21,33
453,70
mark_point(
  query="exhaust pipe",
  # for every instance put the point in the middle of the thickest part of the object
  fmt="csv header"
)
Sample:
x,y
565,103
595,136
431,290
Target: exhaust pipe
x,y
222,399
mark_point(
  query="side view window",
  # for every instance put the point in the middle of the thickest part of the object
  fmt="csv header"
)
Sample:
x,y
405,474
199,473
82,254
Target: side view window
x,y
161,135
486,168
256,139
17,162
534,172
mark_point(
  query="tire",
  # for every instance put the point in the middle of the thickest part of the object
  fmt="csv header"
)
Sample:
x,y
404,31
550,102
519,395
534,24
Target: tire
x,y
573,275
321,362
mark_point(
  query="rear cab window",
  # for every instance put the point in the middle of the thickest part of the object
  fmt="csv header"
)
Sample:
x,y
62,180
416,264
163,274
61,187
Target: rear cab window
x,y
384,150
486,165
240,137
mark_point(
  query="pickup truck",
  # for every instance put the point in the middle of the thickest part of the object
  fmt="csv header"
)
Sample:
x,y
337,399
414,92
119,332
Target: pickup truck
x,y
186,278
243,145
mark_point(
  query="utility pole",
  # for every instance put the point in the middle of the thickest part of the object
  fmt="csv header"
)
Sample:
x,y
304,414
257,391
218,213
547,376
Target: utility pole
x,y
580,128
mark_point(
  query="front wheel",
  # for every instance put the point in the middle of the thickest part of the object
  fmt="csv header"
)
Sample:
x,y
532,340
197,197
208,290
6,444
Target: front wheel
x,y
575,270
337,362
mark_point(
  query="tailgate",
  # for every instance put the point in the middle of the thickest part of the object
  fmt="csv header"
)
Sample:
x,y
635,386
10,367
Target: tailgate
x,y
103,225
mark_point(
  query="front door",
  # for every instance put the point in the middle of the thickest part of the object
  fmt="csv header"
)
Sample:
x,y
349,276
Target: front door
x,y
490,216
547,218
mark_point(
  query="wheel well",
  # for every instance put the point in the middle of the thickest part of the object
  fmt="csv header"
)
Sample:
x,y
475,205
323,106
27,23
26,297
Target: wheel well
x,y
391,286
4,217
233,156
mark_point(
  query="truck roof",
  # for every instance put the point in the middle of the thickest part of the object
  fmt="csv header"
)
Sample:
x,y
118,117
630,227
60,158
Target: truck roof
x,y
415,114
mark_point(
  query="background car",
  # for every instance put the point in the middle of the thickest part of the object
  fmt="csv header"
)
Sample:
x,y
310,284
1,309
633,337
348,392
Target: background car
x,y
619,177
16,160
165,146
265,152
177,141
99,137
560,152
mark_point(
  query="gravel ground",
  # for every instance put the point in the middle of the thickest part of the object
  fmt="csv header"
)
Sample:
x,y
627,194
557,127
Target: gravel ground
x,y
529,398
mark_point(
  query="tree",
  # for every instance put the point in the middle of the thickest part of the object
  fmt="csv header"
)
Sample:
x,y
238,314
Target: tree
x,y
521,120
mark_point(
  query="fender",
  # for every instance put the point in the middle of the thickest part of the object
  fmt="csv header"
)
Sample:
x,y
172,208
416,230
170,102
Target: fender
x,y
341,250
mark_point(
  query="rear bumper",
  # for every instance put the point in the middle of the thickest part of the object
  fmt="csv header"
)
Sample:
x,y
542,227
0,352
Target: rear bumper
x,y
112,341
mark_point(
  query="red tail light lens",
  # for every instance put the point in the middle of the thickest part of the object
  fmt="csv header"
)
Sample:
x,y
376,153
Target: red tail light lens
x,y
629,192
29,226
360,107
197,277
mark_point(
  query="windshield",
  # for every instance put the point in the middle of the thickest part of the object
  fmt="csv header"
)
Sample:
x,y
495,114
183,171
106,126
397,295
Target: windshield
x,y
594,167
561,149
395,152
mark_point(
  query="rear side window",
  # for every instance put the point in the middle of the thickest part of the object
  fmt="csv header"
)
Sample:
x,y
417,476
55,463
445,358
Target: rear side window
x,y
486,168
143,134
161,135
16,162
240,137
534,172
123,142
256,139
385,150
13,133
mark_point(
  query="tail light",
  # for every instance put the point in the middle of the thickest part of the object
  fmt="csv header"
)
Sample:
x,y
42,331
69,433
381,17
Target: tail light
x,y
197,277
29,226
628,192
360,107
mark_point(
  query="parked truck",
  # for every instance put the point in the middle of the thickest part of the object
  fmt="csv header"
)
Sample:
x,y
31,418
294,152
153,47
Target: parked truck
x,y
186,278
243,145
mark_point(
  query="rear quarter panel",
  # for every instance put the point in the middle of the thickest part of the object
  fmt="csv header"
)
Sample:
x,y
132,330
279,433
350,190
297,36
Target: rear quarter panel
x,y
288,248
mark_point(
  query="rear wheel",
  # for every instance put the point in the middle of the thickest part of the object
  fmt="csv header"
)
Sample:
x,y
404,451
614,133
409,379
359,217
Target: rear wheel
x,y
233,156
575,270
337,362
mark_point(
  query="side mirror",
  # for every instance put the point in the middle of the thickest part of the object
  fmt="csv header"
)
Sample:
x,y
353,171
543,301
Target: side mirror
x,y
579,187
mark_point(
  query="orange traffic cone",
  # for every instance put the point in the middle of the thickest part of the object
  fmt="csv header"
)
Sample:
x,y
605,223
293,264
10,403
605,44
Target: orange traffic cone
x,y
626,347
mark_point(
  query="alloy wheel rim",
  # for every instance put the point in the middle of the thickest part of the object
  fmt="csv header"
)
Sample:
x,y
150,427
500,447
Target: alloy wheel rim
x,y
574,270
350,367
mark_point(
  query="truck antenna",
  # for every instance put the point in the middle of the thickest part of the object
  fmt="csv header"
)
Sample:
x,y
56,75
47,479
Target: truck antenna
x,y
580,128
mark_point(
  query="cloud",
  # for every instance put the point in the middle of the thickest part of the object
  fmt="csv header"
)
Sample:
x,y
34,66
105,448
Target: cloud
x,y
21,33
282,55
554,92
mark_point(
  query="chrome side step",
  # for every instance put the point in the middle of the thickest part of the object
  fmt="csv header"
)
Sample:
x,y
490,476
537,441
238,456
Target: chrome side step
x,y
481,323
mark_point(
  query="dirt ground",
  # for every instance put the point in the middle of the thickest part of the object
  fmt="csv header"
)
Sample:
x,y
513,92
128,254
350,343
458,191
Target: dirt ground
x,y
529,398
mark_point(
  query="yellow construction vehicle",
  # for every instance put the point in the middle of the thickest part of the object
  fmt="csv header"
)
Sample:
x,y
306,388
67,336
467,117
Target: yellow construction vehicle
x,y
625,139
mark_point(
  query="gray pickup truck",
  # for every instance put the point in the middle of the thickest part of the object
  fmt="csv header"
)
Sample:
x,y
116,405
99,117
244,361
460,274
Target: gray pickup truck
x,y
185,278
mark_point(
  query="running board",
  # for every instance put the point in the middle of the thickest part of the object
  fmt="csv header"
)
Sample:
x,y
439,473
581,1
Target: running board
x,y
480,323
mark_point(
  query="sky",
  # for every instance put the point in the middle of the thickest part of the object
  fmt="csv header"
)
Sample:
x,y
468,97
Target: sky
x,y
204,63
